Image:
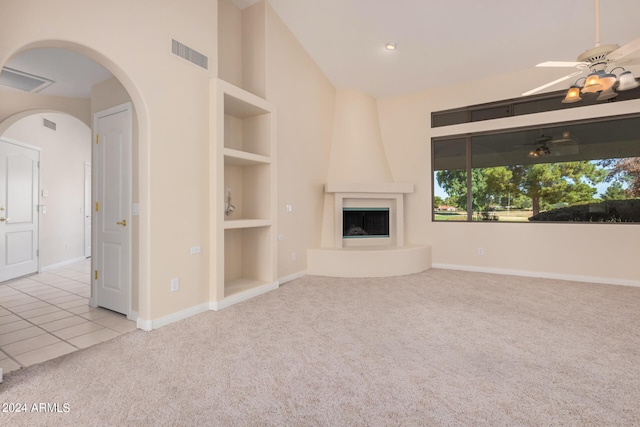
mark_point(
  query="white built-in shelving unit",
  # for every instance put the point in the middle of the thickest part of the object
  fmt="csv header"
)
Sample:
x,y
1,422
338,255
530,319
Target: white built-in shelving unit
x,y
243,256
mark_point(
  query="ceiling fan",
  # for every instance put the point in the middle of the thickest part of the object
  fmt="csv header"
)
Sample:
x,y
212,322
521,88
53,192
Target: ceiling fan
x,y
567,144
597,60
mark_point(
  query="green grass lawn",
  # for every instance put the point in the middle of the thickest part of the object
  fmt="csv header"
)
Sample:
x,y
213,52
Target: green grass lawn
x,y
503,216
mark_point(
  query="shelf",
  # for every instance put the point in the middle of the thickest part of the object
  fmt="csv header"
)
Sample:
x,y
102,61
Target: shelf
x,y
243,158
246,223
242,104
237,286
242,289
248,255
250,187
244,163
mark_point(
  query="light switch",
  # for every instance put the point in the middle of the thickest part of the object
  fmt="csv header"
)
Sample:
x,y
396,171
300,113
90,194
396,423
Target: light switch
x,y
45,193
135,208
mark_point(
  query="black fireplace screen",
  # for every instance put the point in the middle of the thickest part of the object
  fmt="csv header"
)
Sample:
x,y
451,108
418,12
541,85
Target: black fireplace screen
x,y
365,222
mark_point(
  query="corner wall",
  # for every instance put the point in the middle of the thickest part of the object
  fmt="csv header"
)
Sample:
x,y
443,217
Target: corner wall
x,y
306,101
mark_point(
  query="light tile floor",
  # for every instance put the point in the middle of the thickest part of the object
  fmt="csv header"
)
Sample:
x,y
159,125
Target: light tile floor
x,y
47,315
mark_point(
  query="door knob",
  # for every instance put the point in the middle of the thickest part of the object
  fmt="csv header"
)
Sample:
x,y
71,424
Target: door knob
x,y
4,219
122,223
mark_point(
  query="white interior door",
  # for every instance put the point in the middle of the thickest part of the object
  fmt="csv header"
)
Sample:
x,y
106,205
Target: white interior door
x,y
19,186
87,210
112,212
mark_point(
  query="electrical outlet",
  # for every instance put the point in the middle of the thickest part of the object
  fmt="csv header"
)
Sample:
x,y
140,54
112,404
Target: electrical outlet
x,y
175,284
294,256
195,250
280,237
480,251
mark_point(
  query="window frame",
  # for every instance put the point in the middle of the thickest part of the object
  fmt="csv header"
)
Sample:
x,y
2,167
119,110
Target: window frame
x,y
468,136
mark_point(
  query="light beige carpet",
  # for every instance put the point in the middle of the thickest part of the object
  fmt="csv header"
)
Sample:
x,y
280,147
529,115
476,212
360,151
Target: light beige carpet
x,y
436,348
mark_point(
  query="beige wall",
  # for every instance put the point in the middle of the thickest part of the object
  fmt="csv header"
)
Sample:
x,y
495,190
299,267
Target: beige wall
x,y
230,43
170,95
305,100
15,104
63,155
599,252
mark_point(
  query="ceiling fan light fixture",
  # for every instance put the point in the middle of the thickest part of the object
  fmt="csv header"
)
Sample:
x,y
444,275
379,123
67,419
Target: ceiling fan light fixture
x,y
607,80
593,84
573,95
627,81
542,150
606,94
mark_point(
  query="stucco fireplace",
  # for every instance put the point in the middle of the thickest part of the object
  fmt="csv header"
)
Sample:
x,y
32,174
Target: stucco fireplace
x,y
359,179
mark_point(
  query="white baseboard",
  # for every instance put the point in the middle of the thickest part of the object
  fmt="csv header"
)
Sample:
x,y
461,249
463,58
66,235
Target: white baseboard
x,y
293,276
149,325
544,275
62,264
144,324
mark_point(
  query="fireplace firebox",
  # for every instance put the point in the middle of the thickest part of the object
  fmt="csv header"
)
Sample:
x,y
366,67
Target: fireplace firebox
x,y
365,222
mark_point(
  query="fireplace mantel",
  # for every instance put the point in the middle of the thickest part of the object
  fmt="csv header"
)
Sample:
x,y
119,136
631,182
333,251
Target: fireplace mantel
x,y
368,187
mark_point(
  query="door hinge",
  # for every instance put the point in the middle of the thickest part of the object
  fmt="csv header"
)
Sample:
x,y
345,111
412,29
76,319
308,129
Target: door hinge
x,y
97,206
96,138
95,274
37,252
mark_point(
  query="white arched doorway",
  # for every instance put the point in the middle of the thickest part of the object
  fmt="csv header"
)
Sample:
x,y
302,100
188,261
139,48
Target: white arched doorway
x,y
45,224
107,94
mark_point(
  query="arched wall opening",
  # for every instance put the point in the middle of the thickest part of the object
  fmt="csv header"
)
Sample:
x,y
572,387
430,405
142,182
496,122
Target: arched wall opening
x,y
104,96
64,197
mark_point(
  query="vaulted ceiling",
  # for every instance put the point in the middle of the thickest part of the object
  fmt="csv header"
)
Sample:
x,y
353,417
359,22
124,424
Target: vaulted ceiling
x,y
439,43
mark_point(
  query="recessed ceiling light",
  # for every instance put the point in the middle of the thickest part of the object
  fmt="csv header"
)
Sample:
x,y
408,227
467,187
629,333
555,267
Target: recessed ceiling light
x,y
391,45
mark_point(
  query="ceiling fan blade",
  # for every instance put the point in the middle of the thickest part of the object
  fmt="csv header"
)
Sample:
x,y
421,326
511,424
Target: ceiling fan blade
x,y
624,50
544,86
628,61
565,64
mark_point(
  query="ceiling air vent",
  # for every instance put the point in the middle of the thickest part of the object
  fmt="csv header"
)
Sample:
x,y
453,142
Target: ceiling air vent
x,y
23,81
189,54
48,124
